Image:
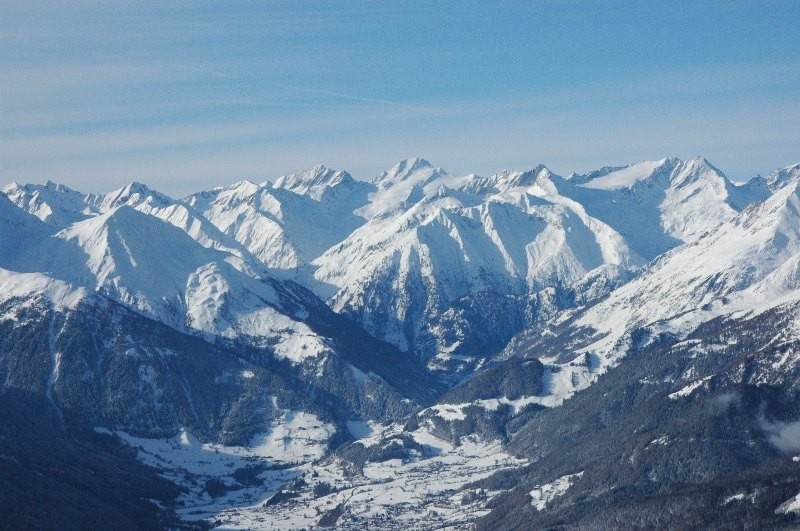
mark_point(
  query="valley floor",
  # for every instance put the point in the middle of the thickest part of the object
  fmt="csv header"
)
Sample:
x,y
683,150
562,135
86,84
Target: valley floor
x,y
280,482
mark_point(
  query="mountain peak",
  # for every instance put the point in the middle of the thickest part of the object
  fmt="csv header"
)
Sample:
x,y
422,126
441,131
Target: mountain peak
x,y
313,181
243,188
31,188
134,191
699,170
58,187
618,177
135,187
51,202
783,177
515,179
701,162
405,169
319,169
413,164
55,186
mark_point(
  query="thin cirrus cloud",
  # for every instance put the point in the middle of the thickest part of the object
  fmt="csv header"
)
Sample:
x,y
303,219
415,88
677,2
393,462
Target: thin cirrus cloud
x,y
189,96
479,136
201,156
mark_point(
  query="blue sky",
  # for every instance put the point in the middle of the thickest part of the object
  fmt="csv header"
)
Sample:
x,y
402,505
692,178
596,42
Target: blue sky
x,y
190,95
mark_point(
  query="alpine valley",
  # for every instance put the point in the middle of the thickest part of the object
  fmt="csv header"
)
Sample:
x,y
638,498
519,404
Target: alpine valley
x,y
613,350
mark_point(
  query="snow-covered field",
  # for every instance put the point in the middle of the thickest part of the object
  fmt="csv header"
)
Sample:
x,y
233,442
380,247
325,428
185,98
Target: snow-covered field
x,y
544,494
424,492
250,474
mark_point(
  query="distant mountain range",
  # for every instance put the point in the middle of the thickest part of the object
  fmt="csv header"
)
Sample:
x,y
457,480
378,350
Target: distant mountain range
x,y
602,351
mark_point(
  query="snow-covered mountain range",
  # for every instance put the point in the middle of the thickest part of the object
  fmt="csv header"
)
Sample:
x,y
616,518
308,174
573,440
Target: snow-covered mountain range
x,y
398,318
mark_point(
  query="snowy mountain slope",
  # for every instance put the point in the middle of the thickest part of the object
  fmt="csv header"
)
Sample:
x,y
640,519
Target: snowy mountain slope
x,y
161,272
747,265
28,287
176,213
657,205
360,236
403,185
53,203
60,207
699,410
236,211
97,363
780,178
692,432
407,256
434,239
20,232
290,223
142,262
18,229
316,183
647,436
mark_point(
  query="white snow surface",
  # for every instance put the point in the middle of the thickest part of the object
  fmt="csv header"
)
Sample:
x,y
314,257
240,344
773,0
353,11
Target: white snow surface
x,y
53,203
625,177
425,492
156,267
689,389
289,223
286,450
416,233
551,397
541,495
792,505
658,205
746,265
27,286
435,237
